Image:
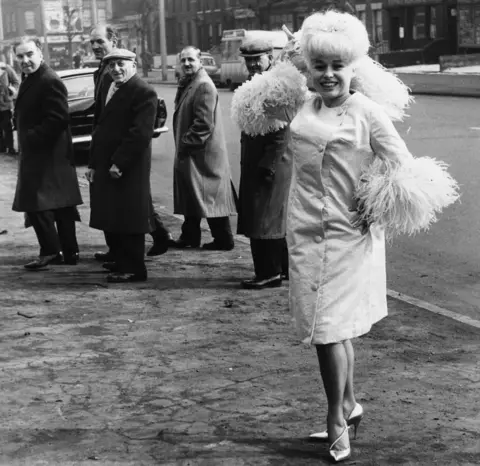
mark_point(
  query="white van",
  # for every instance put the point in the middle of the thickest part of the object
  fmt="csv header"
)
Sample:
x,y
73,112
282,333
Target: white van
x,y
233,70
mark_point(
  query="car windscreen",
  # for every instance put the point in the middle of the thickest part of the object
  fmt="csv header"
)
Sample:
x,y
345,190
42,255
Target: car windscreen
x,y
79,87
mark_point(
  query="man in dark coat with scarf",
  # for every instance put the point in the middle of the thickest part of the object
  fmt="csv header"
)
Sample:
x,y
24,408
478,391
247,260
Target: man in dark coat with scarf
x,y
120,160
47,186
201,178
264,183
103,40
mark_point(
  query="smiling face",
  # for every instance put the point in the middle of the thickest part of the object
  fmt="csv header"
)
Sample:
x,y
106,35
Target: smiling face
x,y
190,61
101,44
121,70
331,77
29,56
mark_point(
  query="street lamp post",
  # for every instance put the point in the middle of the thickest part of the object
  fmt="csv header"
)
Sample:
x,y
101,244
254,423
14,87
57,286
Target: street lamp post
x,y
46,52
163,38
93,6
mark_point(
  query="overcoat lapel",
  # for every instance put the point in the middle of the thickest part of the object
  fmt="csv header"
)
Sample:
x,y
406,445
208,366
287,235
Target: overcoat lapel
x,y
115,102
187,89
28,81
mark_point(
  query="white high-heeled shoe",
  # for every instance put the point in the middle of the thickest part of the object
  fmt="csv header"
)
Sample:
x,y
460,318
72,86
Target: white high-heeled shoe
x,y
340,449
353,421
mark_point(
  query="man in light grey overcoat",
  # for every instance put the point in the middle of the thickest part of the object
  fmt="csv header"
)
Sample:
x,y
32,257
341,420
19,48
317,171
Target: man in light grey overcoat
x,y
201,177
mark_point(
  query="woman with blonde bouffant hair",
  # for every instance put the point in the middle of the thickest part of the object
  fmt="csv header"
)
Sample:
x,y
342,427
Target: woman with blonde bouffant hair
x,y
354,183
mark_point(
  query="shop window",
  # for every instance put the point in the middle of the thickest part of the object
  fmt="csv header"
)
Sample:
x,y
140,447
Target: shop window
x,y
419,31
29,20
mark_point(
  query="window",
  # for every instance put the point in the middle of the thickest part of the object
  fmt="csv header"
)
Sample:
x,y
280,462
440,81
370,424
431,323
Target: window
x,y
277,21
101,16
29,20
13,22
362,16
419,31
87,17
433,22
377,26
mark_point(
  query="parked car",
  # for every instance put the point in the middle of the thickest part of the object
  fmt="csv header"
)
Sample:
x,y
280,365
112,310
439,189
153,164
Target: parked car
x,y
209,65
80,87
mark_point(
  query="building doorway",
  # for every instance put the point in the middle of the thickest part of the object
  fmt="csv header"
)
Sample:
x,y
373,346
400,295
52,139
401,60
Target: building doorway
x,y
452,28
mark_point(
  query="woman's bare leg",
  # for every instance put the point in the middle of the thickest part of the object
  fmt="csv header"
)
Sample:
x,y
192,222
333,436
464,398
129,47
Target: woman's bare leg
x,y
334,370
349,400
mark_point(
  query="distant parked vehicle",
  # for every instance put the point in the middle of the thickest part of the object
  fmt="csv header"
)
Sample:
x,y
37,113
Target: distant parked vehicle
x,y
233,70
209,65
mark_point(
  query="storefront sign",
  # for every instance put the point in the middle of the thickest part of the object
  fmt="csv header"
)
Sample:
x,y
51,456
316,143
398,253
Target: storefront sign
x,y
243,13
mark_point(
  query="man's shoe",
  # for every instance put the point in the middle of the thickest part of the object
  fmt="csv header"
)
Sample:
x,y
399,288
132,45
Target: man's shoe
x,y
182,244
12,152
71,259
158,248
214,246
285,275
104,256
111,266
126,277
259,284
42,261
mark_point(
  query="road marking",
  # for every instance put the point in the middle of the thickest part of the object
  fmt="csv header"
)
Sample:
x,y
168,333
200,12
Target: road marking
x,y
403,297
475,127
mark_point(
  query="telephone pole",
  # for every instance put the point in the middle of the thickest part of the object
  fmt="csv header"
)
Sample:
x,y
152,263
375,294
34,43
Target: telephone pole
x,y
163,38
46,52
93,6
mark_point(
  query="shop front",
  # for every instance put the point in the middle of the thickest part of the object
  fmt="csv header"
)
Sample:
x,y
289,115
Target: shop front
x,y
422,25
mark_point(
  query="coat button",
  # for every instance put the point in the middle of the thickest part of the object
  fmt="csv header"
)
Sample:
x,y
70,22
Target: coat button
x,y
318,239
314,287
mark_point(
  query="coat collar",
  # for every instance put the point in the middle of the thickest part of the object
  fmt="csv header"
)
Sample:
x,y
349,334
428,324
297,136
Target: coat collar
x,y
201,73
28,80
118,97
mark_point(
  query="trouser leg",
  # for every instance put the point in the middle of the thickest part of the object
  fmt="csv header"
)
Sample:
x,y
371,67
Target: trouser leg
x,y
284,257
191,230
221,230
65,219
160,232
131,253
112,243
7,129
44,225
267,256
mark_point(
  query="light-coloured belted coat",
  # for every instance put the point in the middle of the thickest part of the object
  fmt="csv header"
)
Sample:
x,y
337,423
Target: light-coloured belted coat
x,y
201,176
337,275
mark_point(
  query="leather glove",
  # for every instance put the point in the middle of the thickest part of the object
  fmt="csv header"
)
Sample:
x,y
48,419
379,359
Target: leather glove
x,y
266,175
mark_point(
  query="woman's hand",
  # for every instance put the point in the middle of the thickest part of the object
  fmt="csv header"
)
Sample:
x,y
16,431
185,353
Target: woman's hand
x,y
360,221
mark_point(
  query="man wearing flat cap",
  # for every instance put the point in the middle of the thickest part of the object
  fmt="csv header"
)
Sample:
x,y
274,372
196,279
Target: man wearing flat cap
x,y
119,166
264,183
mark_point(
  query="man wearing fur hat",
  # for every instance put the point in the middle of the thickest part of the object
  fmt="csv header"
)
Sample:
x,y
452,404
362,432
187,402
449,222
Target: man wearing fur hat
x,y
119,166
264,182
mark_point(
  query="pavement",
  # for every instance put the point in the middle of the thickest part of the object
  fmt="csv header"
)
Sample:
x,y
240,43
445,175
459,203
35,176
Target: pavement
x,y
421,79
190,369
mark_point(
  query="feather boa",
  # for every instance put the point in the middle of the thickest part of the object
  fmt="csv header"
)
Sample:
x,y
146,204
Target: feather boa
x,y
405,198
269,100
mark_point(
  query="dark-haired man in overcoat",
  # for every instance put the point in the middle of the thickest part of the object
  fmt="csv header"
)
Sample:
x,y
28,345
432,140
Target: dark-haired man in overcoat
x,y
47,186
